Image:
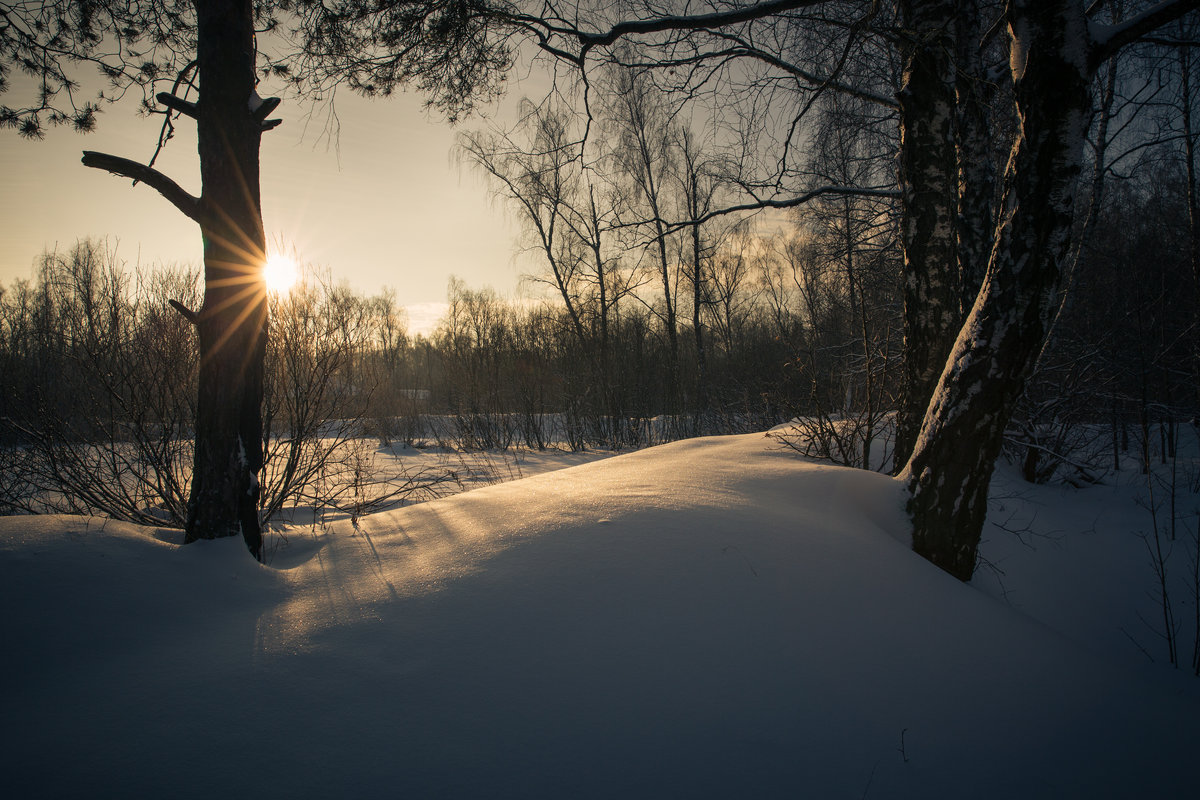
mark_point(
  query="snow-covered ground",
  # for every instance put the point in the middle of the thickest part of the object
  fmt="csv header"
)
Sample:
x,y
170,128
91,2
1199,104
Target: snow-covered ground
x,y
710,618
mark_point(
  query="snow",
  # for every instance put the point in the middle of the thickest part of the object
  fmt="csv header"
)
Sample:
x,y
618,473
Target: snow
x,y
1077,560
711,618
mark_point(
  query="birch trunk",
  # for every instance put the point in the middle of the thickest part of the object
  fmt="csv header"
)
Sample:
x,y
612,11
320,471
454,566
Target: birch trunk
x,y
973,143
951,466
928,177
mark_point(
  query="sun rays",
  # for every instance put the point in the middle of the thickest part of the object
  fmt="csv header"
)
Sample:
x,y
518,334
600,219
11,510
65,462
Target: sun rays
x,y
280,273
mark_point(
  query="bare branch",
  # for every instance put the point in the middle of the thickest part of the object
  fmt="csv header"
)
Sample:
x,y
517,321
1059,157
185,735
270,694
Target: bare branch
x,y
761,205
746,50
139,172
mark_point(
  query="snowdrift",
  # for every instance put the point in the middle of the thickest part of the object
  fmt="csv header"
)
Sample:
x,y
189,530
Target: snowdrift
x,y
711,618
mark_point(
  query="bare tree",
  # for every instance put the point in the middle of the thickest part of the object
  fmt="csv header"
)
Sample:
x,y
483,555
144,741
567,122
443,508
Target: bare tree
x,y
567,210
102,372
541,178
698,175
640,147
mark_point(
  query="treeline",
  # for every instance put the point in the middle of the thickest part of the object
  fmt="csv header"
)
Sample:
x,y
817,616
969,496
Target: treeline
x,y
92,354
98,375
98,370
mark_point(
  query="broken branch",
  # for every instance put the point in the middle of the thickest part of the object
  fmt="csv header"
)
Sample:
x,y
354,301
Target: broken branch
x,y
139,172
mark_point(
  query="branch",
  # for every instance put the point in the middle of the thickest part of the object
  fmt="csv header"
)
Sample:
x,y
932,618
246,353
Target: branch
x,y
1108,39
177,104
1177,43
139,172
168,127
185,312
686,23
790,202
746,50
760,205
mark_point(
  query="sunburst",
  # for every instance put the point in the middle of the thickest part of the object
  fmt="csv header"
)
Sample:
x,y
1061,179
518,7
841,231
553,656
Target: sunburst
x,y
280,273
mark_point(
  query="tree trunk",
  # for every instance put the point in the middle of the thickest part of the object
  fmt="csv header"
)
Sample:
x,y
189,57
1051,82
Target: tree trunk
x,y
607,405
670,321
928,177
973,143
232,322
951,466
698,305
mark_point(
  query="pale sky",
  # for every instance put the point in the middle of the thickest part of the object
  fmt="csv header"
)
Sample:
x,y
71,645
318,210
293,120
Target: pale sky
x,y
385,205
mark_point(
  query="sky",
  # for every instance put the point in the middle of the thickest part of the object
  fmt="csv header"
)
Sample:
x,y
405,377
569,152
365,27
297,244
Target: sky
x,y
382,204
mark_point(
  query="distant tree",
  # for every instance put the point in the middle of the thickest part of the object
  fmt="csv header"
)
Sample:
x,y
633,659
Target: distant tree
x,y
640,148
566,210
538,169
699,182
102,381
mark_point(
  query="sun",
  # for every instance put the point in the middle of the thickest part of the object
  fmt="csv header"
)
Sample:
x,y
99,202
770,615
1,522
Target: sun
x,y
280,273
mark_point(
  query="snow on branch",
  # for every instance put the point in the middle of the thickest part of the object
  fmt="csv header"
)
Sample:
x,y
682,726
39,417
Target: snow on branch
x,y
1108,39
716,19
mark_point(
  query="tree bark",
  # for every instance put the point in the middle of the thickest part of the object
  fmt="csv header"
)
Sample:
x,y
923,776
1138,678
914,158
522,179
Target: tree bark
x,y
973,144
232,321
928,179
951,466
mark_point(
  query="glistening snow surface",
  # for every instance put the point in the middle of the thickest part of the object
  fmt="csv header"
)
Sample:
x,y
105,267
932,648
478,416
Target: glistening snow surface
x,y
711,618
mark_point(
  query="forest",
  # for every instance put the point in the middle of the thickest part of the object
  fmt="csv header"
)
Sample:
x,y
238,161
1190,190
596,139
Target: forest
x,y
796,321
865,217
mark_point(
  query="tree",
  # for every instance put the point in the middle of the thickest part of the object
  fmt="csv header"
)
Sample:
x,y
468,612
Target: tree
x,y
542,177
567,213
964,376
641,150
928,184
698,184
1054,51
1054,54
210,43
